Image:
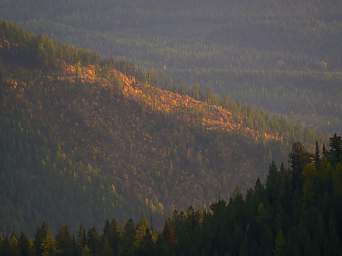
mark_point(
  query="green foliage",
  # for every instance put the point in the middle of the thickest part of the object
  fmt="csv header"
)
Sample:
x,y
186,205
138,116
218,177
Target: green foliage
x,y
48,246
23,48
335,154
64,242
75,152
65,141
273,219
280,244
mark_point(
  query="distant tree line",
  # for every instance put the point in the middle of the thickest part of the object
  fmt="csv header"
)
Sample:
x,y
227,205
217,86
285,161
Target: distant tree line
x,y
39,51
297,211
251,117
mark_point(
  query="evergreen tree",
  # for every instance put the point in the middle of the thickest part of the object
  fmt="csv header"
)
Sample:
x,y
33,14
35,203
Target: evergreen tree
x,y
5,247
282,167
147,245
335,149
272,182
298,158
14,245
93,241
112,234
86,251
128,237
106,249
269,220
169,236
40,237
64,242
317,156
81,240
324,151
140,233
280,245
48,246
334,244
26,246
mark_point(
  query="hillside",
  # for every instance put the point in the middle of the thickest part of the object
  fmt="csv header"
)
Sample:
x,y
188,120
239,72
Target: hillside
x,y
296,212
82,142
280,55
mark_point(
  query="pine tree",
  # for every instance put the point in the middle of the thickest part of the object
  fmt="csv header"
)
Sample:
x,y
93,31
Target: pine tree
x,y
64,242
282,167
14,245
169,235
334,245
5,247
280,244
324,151
106,249
93,241
140,232
40,237
272,182
86,251
147,246
317,157
81,239
298,158
128,237
26,246
335,149
49,245
111,233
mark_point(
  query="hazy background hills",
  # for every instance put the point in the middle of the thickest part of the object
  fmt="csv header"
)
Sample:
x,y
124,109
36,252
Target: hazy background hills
x,y
283,56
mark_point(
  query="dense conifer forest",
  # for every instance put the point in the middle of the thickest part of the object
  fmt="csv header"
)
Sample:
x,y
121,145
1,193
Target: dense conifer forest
x,y
214,142
297,211
94,135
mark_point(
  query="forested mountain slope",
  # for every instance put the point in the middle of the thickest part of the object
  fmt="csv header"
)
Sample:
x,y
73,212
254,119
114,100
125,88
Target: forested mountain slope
x,y
297,211
81,141
283,56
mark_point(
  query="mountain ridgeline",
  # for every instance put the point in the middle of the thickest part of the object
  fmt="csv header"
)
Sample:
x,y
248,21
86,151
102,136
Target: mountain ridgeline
x,y
297,211
84,139
280,55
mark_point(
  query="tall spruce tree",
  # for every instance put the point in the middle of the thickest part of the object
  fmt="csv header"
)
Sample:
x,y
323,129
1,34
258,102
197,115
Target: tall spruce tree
x,y
335,149
317,156
40,237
